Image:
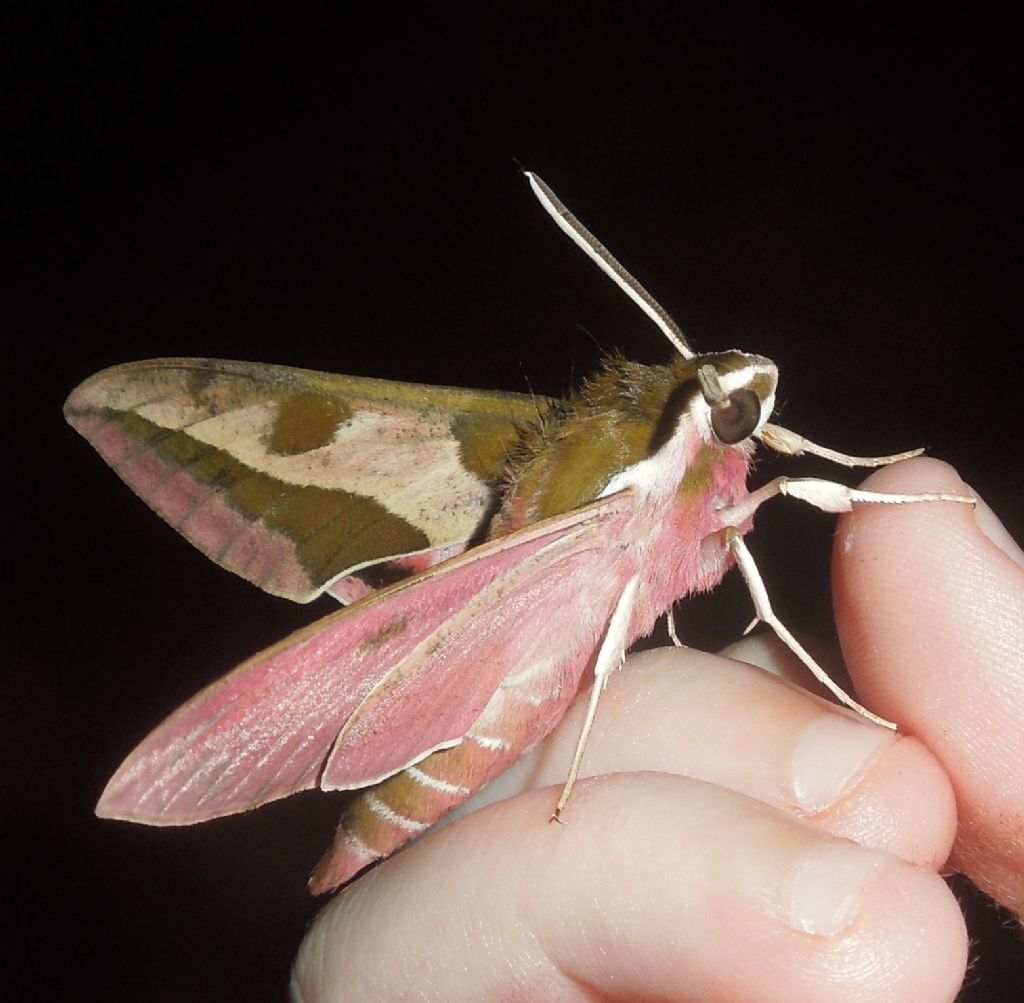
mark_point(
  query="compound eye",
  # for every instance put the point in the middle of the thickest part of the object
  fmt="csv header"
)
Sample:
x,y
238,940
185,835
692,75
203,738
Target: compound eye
x,y
737,419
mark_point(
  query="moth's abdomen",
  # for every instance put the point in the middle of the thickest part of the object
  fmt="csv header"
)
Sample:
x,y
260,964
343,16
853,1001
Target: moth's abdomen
x,y
523,710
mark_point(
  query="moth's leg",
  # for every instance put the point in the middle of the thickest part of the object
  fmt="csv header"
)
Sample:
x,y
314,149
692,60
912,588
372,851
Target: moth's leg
x,y
782,440
609,658
765,613
829,497
670,623
825,495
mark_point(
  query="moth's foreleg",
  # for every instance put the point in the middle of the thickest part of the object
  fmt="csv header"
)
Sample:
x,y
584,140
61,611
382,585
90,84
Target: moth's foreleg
x,y
765,613
783,440
609,658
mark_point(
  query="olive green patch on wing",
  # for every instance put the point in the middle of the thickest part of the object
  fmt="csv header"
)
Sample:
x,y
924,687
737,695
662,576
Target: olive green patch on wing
x,y
306,422
325,532
337,530
485,442
290,477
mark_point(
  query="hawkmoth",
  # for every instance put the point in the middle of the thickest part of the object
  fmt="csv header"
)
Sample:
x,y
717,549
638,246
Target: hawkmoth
x,y
492,551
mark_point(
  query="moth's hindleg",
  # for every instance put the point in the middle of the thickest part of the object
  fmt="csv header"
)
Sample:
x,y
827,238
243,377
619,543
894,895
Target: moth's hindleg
x,y
765,613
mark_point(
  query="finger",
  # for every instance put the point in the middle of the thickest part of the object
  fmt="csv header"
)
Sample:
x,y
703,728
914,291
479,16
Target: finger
x,y
658,887
686,712
930,609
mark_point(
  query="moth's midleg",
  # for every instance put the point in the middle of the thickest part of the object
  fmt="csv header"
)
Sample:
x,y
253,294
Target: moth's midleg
x,y
609,658
829,496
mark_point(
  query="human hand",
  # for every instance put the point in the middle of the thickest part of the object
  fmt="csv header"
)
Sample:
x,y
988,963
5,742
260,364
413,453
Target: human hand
x,y
702,860
930,610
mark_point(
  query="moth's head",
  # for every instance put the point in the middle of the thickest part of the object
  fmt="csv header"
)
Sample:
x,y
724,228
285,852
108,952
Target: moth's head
x,y
728,396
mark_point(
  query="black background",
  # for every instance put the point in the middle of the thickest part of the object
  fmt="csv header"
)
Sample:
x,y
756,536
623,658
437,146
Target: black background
x,y
343,194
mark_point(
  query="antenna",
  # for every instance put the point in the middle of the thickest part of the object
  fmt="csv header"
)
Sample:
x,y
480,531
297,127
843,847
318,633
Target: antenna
x,y
608,263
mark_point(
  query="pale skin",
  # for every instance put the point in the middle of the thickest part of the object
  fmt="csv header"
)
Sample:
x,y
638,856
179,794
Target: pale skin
x,y
740,838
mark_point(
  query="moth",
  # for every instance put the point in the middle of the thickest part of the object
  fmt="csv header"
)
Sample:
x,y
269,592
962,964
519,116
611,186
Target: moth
x,y
492,550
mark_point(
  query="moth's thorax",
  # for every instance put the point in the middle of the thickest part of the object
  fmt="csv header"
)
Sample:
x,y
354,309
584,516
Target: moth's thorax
x,y
647,428
686,547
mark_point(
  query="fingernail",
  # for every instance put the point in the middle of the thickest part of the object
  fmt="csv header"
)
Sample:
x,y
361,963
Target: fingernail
x,y
828,756
828,886
988,522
